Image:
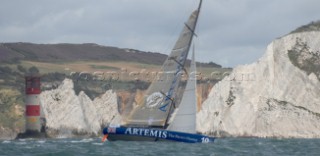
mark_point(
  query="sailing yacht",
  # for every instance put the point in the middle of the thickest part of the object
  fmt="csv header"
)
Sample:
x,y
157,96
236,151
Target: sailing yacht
x,y
149,120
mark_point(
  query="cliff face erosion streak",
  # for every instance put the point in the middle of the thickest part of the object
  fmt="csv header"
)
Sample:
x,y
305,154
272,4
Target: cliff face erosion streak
x,y
277,96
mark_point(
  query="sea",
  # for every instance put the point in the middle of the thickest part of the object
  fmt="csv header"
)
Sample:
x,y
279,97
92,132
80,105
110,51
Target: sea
x,y
223,146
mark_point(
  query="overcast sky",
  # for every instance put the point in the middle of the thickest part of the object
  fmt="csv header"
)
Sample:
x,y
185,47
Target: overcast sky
x,y
230,32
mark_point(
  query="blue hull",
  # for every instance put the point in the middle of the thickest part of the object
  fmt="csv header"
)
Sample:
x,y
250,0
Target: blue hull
x,y
152,134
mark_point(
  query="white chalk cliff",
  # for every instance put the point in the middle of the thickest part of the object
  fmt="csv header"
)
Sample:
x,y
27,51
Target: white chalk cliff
x,y
67,112
269,98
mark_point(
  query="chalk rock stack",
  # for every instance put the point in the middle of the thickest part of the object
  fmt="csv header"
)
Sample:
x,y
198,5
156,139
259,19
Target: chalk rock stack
x,y
68,113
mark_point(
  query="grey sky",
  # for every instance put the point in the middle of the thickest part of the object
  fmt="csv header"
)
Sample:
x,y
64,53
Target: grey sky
x,y
231,32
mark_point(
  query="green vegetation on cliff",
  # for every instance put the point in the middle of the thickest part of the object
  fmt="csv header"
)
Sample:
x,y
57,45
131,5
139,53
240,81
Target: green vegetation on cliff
x,y
302,57
313,26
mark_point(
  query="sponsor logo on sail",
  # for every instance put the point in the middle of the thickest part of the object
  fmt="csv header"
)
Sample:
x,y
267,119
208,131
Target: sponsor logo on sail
x,y
154,99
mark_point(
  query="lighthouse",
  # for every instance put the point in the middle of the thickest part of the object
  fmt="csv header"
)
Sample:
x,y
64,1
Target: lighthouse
x,y
32,113
35,124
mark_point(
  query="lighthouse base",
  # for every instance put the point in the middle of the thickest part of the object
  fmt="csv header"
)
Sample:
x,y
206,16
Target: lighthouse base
x,y
32,134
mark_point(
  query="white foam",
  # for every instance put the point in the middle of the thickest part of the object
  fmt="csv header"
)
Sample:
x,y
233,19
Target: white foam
x,y
98,144
82,141
6,142
41,141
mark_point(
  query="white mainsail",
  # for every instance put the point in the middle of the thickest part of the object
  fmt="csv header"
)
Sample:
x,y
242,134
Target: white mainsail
x,y
162,95
185,118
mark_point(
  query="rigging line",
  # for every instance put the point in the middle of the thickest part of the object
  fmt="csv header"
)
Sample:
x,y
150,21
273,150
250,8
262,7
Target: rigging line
x,y
172,100
192,31
199,65
184,69
167,119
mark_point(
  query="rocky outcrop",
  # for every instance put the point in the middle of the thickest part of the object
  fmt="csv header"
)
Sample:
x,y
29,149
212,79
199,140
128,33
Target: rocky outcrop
x,y
273,97
7,134
67,113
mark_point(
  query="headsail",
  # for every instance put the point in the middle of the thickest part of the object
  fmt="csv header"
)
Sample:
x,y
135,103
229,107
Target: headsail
x,y
185,118
161,95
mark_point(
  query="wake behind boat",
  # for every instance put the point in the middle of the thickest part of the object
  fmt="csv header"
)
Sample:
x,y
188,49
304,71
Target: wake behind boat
x,y
150,119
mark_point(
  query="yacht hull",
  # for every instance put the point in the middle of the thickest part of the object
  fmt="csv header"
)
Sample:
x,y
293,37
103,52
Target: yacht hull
x,y
152,134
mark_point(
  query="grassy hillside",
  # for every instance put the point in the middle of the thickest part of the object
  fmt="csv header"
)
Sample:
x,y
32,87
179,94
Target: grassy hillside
x,y
15,52
74,52
11,99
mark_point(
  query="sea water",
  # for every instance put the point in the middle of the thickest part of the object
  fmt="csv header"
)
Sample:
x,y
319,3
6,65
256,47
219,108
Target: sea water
x,y
94,146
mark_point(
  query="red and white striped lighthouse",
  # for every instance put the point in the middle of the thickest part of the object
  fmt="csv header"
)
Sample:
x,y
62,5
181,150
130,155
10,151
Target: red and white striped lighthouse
x,y
33,91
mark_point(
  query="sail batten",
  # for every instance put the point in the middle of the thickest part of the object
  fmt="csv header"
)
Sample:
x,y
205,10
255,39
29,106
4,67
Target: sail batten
x,y
162,93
